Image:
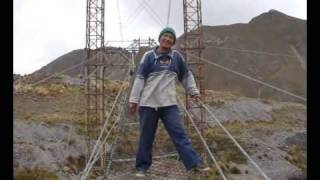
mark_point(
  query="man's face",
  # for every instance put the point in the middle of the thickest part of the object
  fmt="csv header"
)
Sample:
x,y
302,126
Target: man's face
x,y
166,40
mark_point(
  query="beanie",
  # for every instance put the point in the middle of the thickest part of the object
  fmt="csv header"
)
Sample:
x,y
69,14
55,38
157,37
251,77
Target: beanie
x,y
168,30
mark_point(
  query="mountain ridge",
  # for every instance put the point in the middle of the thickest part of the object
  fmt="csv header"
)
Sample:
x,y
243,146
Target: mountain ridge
x,y
244,47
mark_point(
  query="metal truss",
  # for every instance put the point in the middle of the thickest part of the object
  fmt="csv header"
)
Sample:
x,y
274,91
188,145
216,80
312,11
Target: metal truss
x,y
94,72
193,46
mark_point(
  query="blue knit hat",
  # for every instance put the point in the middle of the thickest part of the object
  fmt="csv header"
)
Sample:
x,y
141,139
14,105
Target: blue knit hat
x,y
168,30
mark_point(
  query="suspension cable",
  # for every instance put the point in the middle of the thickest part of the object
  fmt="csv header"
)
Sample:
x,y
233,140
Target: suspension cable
x,y
169,9
63,71
143,4
119,132
94,154
120,24
251,51
115,124
136,12
153,14
203,141
250,78
95,158
148,5
232,138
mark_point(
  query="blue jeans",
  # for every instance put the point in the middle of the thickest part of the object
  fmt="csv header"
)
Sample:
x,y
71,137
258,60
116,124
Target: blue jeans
x,y
172,122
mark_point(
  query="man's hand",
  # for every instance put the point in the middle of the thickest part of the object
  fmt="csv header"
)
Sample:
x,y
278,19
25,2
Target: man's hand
x,y
132,108
196,97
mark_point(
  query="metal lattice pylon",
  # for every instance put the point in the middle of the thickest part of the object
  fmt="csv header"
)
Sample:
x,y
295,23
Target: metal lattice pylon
x,y
94,71
193,46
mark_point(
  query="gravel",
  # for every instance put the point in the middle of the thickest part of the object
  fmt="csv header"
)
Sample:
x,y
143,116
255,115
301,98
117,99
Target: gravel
x,y
244,110
44,145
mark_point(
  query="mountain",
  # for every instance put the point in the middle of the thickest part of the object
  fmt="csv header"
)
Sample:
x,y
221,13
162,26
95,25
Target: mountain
x,y
270,48
16,76
76,57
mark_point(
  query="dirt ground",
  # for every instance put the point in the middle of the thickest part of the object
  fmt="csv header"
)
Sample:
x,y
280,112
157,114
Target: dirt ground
x,y
48,133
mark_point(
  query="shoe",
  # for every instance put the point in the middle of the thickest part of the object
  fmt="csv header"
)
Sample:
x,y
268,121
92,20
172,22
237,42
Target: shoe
x,y
201,168
140,173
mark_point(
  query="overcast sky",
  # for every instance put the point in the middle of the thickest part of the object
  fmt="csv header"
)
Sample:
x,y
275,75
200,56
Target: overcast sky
x,y
47,29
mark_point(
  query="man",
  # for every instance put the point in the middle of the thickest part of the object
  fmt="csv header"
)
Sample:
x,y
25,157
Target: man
x,y
155,92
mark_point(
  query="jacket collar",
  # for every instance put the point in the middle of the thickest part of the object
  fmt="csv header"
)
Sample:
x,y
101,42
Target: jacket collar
x,y
157,54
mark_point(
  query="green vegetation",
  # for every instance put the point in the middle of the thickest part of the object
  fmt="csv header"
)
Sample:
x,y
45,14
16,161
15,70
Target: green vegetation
x,y
44,89
34,174
224,148
235,170
64,103
297,156
284,119
216,103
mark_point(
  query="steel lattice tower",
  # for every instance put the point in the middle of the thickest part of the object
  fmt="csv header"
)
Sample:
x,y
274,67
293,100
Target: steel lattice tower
x,y
192,47
94,71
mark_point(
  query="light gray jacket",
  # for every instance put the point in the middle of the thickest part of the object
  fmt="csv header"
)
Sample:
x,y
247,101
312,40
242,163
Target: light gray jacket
x,y
155,82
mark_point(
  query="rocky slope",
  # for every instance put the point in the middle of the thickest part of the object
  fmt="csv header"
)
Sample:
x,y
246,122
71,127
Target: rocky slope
x,y
48,133
270,48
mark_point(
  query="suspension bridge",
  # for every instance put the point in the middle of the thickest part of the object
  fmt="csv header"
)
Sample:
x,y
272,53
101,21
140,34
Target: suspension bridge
x,y
112,135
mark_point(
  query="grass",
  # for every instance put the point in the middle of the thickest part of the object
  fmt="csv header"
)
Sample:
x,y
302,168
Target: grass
x,y
229,155
66,104
44,89
281,120
235,170
75,164
34,174
60,105
297,156
216,103
221,95
55,103
224,148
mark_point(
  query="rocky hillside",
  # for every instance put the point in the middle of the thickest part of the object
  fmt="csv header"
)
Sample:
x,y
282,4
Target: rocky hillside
x,y
16,76
75,57
49,133
282,41
281,38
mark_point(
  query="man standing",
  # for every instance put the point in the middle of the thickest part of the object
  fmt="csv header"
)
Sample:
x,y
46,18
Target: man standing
x,y
154,90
